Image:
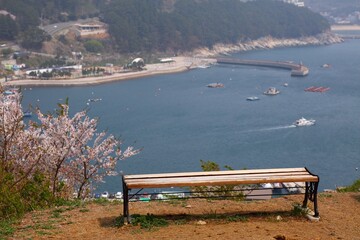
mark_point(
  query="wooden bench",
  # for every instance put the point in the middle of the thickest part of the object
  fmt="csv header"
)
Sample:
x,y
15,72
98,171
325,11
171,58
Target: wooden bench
x,y
221,178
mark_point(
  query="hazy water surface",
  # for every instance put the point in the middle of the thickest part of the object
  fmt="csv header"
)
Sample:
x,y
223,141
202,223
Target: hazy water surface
x,y
178,120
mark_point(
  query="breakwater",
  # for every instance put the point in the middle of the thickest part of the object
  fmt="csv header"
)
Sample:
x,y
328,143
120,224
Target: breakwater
x,y
296,69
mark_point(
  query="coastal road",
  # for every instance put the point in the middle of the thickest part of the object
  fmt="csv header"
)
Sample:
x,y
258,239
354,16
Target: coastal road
x,y
56,28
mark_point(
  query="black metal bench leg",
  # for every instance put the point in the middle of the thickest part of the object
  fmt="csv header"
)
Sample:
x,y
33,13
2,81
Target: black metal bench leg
x,y
315,200
306,195
126,202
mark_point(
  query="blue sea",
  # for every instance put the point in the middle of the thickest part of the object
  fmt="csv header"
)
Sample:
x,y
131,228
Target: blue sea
x,y
178,121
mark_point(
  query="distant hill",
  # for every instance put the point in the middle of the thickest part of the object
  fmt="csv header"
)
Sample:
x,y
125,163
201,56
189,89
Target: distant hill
x,y
161,25
168,25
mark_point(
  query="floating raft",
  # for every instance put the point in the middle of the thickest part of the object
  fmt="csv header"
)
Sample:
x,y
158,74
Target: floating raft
x,y
317,89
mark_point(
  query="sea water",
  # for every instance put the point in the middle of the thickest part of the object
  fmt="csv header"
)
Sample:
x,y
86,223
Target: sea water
x,y
178,121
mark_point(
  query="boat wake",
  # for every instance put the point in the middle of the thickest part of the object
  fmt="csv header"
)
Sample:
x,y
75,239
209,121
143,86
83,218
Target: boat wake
x,y
271,128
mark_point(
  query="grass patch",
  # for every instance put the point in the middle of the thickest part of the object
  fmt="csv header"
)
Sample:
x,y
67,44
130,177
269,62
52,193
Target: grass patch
x,y
55,215
101,201
180,222
325,195
42,233
47,226
237,218
299,211
69,203
148,221
84,210
119,221
6,229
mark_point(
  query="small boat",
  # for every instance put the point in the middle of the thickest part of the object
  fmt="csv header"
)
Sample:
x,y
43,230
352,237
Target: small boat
x,y
317,89
94,99
325,65
203,66
215,85
8,92
272,91
304,122
309,89
27,114
285,84
253,98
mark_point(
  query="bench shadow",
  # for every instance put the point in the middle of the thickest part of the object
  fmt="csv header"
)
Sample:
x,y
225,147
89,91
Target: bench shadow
x,y
109,222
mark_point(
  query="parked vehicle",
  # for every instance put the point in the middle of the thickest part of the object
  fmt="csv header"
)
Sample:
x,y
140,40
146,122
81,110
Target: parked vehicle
x,y
118,195
105,194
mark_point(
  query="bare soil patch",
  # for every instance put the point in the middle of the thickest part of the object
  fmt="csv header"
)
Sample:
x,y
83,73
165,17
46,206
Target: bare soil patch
x,y
201,219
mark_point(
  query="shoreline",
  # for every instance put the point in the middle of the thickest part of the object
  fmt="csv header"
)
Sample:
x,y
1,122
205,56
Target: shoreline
x,y
181,64
345,27
197,58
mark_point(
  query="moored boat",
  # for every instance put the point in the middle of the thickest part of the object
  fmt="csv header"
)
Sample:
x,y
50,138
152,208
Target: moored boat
x,y
271,91
253,98
215,85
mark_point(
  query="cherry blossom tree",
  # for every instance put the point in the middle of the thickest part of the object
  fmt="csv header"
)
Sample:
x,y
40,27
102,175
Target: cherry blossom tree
x,y
20,148
77,154
68,150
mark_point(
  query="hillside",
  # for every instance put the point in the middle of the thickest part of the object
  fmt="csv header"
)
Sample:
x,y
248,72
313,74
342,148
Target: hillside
x,y
187,24
162,25
272,219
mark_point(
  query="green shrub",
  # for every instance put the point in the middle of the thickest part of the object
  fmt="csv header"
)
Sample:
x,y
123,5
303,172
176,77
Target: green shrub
x,y
355,187
93,46
219,192
34,194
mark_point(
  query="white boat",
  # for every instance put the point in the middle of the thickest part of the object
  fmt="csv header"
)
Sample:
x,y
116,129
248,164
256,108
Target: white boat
x,y
304,122
253,98
27,114
203,66
215,85
271,91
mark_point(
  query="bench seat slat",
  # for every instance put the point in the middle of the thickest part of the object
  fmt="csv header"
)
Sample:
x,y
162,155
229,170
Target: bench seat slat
x,y
212,173
219,180
214,177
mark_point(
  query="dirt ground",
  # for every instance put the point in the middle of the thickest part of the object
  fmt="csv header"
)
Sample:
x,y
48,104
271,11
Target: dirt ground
x,y
201,219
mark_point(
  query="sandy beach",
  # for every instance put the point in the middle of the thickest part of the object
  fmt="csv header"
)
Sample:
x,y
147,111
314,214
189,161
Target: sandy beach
x,y
179,64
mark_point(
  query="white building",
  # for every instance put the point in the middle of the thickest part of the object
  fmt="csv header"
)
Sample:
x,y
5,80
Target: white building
x,y
298,3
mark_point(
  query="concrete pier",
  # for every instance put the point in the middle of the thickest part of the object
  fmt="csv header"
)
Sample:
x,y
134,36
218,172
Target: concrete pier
x,y
296,69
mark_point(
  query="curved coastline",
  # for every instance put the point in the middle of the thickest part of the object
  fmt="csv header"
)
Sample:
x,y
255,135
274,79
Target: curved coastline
x,y
199,57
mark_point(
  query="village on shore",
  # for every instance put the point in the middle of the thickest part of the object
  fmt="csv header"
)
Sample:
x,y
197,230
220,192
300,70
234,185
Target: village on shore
x,y
137,68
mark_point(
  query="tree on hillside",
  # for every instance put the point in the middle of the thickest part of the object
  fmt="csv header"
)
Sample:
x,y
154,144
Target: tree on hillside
x,y
33,38
8,28
93,46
